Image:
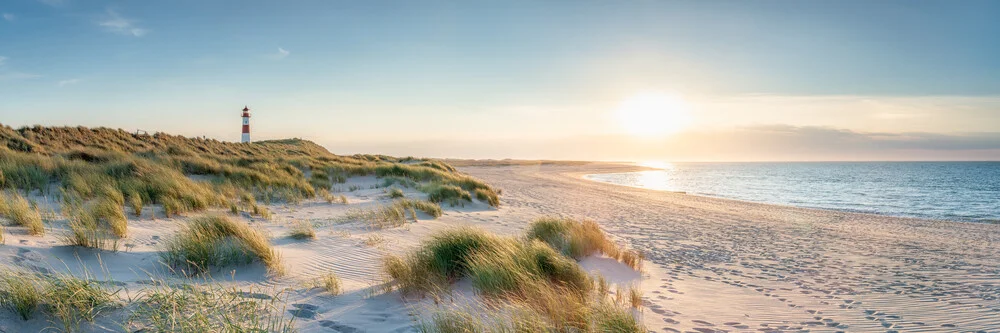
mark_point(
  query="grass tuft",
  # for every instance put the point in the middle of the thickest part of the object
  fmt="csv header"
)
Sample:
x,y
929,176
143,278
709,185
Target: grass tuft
x,y
189,308
331,283
580,239
19,210
538,289
302,230
217,241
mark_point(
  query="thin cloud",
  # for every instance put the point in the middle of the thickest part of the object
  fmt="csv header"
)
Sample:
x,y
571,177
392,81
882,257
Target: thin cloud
x,y
120,25
2,60
8,17
64,83
281,54
17,76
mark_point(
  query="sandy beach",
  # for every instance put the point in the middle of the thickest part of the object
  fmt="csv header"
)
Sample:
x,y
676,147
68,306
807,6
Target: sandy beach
x,y
737,266
714,265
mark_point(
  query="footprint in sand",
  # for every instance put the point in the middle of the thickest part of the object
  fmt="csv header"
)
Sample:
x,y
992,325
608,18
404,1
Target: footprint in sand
x,y
338,327
305,311
702,322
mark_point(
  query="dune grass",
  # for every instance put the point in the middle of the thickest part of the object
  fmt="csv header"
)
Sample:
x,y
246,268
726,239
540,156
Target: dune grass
x,y
393,215
302,230
396,193
579,239
217,241
66,299
429,208
537,287
16,208
21,293
192,308
184,175
330,283
450,194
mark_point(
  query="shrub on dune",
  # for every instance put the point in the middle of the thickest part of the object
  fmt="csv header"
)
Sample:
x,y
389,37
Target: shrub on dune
x,y
217,241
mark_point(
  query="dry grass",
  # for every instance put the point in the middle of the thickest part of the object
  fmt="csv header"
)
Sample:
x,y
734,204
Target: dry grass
x,y
217,241
331,283
16,208
302,230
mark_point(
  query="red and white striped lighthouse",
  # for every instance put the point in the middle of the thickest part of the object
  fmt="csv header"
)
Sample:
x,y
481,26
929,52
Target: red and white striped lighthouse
x,y
246,124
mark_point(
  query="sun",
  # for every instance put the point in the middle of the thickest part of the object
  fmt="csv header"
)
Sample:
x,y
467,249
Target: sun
x,y
652,114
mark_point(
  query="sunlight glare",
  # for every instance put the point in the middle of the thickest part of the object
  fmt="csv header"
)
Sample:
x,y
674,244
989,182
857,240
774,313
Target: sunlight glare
x,y
651,114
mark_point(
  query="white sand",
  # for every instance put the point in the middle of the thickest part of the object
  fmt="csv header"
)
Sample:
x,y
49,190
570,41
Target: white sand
x,y
717,265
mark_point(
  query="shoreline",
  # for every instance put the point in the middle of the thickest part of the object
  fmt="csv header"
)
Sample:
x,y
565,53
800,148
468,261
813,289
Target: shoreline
x,y
583,176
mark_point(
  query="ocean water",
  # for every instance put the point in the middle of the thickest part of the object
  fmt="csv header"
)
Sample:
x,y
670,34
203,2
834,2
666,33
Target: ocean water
x,y
956,191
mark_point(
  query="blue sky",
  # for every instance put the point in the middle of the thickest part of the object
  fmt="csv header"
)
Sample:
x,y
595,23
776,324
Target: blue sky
x,y
471,78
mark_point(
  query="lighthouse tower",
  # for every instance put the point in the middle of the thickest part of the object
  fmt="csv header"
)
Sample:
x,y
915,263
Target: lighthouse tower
x,y
246,125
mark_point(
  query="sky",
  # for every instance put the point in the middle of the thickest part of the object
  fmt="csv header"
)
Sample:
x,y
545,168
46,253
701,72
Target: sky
x,y
756,80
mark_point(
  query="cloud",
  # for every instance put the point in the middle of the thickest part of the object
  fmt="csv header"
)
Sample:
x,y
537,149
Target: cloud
x,y
115,23
67,82
281,54
4,76
2,60
8,17
749,143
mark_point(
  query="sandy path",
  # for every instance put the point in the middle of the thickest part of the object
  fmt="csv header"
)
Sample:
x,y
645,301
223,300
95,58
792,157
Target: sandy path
x,y
724,265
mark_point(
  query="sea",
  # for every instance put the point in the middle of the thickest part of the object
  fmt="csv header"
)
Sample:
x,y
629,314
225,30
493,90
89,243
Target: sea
x,y
954,191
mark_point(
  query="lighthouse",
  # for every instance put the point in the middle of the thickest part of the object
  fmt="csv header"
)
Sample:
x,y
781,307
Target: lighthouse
x,y
246,124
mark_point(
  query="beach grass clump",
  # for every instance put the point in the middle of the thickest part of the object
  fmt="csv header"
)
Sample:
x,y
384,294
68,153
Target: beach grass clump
x,y
98,224
429,208
331,283
69,300
385,216
534,286
451,194
21,293
16,208
210,308
579,239
396,193
302,230
488,196
218,241
441,259
72,300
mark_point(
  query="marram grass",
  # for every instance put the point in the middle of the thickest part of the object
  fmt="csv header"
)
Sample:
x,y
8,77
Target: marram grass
x,y
531,286
218,241
16,208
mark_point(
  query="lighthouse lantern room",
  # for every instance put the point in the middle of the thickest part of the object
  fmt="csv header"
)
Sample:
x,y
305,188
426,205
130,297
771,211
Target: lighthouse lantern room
x,y
246,124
